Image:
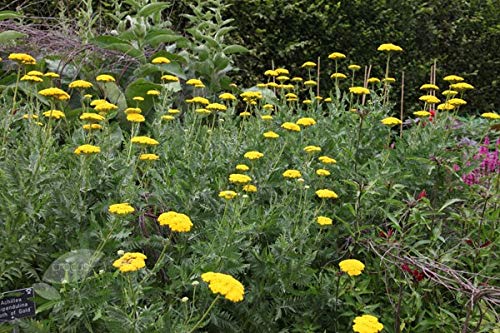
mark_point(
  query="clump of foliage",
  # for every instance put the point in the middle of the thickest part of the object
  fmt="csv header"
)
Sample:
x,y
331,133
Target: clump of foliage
x,y
158,196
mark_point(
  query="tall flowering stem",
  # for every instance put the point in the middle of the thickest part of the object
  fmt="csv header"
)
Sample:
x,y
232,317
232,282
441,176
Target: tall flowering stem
x,y
204,315
13,111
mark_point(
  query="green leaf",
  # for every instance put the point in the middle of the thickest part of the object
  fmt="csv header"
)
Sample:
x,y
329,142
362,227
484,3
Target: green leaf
x,y
8,14
46,291
7,36
223,31
154,41
232,49
103,41
448,203
47,306
153,8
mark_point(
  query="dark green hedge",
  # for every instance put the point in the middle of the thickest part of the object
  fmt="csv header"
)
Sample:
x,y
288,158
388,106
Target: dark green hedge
x,y
462,35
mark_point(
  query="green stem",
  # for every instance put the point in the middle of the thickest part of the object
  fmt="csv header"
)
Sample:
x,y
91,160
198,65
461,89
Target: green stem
x,y
15,91
336,301
158,262
204,315
133,297
358,142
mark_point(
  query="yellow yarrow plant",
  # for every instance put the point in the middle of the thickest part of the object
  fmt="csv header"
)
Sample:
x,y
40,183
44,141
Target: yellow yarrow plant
x,y
177,222
123,208
353,267
367,324
224,284
130,262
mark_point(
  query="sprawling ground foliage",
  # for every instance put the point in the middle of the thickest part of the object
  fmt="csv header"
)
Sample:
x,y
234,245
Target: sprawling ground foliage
x,y
142,191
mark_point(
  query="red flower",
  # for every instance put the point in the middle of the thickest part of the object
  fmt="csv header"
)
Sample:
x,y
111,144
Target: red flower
x,y
485,244
419,276
387,234
422,194
406,268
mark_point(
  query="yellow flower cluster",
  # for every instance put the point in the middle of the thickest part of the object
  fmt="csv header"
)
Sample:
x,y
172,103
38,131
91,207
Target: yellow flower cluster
x,y
32,78
461,86
391,121
225,285
308,64
87,150
250,188
253,155
22,58
389,47
132,110
327,160
177,222
198,100
323,220
144,140
373,80
291,173
306,122
338,76
430,99
359,90
149,157
457,102
453,78
271,135
422,114
367,324
312,149
105,78
80,84
216,107
242,167
153,92
336,55
237,178
227,97
121,209
490,115
326,194
170,78
104,106
291,127
227,194
194,82
352,267
55,114
90,127
35,73
55,93
160,60
91,117
130,262
135,118
323,172
429,86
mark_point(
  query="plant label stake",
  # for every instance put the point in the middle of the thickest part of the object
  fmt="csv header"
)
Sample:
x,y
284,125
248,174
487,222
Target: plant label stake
x,y
16,304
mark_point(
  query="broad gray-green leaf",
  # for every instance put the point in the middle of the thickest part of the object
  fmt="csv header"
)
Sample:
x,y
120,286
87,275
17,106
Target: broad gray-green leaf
x,y
8,14
72,267
153,8
46,291
163,38
448,203
232,49
9,35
